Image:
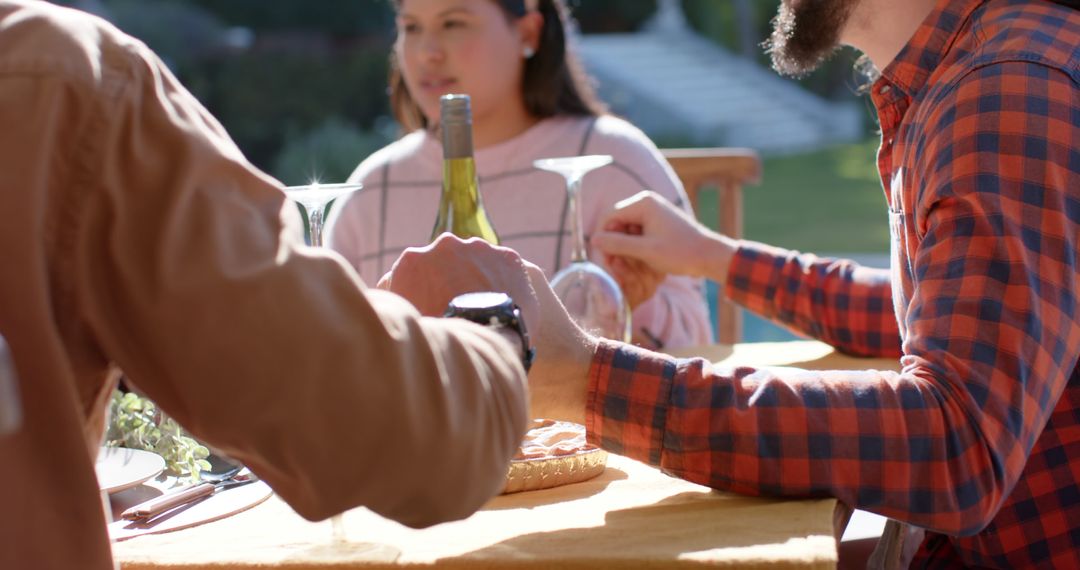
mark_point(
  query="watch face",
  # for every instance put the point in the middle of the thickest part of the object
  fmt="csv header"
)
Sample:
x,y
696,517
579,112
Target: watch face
x,y
484,300
495,310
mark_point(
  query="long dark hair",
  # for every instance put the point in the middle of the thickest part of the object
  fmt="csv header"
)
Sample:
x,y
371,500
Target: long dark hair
x,y
553,82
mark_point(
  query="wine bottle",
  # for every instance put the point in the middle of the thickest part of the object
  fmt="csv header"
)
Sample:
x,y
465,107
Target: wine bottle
x,y
461,212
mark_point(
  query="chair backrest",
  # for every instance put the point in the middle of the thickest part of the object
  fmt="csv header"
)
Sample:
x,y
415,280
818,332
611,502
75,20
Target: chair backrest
x,y
728,170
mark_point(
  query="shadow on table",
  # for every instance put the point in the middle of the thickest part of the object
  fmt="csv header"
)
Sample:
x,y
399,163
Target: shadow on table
x,y
124,500
529,499
684,525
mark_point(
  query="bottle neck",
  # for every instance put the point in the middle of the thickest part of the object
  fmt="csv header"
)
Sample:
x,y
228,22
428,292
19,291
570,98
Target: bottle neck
x,y
459,166
461,211
459,182
457,140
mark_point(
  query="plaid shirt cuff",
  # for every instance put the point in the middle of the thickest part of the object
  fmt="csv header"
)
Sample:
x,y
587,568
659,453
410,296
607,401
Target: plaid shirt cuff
x,y
628,394
752,276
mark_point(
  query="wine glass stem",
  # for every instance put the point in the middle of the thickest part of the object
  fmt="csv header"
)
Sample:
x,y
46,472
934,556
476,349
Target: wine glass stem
x,y
315,225
577,224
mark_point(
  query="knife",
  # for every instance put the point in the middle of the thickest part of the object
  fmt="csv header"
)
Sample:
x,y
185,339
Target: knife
x,y
154,507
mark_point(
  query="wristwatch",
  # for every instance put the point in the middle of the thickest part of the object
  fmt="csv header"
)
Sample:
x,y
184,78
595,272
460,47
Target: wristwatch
x,y
496,310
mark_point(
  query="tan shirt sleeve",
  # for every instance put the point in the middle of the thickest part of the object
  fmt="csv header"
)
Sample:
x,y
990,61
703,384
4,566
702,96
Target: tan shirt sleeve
x,y
192,278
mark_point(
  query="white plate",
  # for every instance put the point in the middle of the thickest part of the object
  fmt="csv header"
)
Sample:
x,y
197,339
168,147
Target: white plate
x,y
120,468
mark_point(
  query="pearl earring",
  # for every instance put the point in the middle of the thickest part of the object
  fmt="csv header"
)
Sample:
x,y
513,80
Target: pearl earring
x,y
528,52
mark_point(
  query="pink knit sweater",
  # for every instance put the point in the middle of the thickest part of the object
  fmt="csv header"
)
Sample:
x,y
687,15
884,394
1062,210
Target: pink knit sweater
x,y
396,208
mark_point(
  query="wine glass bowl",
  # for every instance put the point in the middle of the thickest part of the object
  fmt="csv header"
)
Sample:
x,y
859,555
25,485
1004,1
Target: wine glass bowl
x,y
314,198
591,296
593,299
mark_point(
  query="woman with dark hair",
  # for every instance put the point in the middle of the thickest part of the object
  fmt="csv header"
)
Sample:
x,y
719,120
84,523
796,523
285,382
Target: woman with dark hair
x,y
530,99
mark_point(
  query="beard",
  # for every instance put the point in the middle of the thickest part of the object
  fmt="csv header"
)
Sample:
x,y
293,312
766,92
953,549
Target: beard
x,y
805,33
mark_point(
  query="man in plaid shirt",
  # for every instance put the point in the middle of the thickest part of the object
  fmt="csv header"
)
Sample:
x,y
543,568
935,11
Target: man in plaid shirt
x,y
977,439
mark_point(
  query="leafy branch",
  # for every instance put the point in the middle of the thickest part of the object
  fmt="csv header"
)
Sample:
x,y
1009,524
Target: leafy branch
x,y
137,423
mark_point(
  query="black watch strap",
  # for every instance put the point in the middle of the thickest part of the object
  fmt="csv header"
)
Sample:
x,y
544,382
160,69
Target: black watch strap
x,y
494,310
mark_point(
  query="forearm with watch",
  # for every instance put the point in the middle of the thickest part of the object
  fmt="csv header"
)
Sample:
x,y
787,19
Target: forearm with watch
x,y
498,311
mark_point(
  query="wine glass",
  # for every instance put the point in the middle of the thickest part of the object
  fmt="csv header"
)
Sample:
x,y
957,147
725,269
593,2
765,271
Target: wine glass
x,y
314,198
590,294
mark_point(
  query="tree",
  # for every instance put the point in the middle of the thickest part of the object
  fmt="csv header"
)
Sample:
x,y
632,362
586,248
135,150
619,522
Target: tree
x,y
611,16
335,17
329,153
180,32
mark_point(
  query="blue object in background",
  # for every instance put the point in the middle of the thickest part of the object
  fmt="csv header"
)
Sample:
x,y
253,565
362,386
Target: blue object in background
x,y
755,328
758,329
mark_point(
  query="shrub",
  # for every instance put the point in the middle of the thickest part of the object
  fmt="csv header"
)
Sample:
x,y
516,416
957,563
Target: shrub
x,y
338,17
328,153
179,32
265,98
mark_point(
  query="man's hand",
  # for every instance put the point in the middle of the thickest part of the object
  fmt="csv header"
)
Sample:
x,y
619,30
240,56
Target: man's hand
x,y
430,276
637,280
670,241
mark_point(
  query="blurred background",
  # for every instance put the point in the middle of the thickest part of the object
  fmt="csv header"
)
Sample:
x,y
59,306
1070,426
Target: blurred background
x,y
301,87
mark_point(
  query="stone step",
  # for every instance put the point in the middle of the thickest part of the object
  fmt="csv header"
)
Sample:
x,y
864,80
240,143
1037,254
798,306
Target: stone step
x,y
720,98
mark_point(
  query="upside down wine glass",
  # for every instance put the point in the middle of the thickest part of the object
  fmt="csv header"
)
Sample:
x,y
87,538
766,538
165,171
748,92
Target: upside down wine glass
x,y
314,198
590,294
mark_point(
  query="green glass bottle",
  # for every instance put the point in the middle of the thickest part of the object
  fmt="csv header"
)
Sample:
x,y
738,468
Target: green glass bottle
x,y
461,211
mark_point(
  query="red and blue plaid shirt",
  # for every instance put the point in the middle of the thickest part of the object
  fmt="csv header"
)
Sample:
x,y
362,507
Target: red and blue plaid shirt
x,y
978,437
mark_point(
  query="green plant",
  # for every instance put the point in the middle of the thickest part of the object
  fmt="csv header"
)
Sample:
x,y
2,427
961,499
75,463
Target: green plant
x,y
137,423
265,98
827,201
179,32
338,17
329,153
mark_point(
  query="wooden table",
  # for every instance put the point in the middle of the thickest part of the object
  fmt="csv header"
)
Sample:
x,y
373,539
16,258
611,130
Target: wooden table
x,y
861,529
808,354
632,516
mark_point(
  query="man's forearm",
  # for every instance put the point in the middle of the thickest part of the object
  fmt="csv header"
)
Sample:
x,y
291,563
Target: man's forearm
x,y
717,251
557,380
801,434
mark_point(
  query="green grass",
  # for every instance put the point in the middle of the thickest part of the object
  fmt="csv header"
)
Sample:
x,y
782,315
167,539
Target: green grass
x,y
827,201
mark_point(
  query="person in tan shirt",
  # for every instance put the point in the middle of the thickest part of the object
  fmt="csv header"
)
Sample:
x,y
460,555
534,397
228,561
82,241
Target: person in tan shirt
x,y
136,237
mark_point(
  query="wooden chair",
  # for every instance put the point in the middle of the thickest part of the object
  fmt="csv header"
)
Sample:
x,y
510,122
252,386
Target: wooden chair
x,y
727,170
